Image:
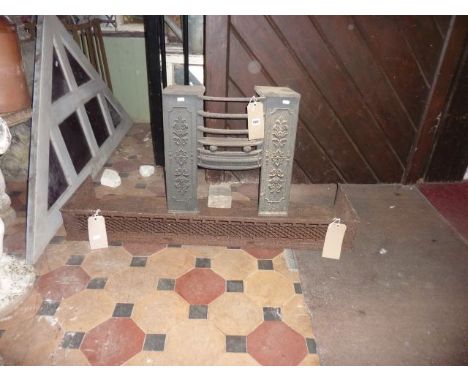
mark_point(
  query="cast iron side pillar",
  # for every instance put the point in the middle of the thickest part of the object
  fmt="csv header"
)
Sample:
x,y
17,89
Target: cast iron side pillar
x,y
281,108
180,106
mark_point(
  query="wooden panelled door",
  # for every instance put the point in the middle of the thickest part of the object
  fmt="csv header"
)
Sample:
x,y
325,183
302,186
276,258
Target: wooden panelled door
x,y
373,87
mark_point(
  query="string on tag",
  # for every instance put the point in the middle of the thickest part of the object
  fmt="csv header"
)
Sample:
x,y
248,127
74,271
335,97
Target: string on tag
x,y
253,100
96,213
336,220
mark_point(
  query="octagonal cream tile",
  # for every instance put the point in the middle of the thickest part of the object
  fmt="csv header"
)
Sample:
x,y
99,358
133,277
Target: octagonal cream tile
x,y
268,288
310,360
234,264
206,251
32,342
296,315
131,284
25,312
106,261
56,255
235,314
236,359
68,357
159,311
85,310
171,262
280,266
194,342
148,358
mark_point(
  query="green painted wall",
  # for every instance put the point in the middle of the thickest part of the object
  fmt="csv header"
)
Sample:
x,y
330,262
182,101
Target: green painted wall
x,y
127,65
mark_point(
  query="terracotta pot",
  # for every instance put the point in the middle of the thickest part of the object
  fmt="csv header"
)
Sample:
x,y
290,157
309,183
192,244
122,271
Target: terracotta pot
x,y
14,93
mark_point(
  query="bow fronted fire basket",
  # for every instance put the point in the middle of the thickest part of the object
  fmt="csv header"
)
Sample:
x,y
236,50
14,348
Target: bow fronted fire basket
x,y
189,144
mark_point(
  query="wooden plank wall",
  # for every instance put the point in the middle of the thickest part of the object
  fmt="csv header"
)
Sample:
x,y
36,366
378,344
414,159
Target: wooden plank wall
x,y
368,86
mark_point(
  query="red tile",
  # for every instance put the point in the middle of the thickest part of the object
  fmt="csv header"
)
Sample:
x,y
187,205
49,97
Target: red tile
x,y
274,343
451,200
262,252
126,165
62,282
143,249
113,342
200,286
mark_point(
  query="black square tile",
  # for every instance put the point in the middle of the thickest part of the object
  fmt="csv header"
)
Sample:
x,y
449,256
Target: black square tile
x,y
122,310
198,312
132,157
235,286
166,284
233,247
171,245
311,345
154,342
1,332
115,243
138,261
72,340
202,263
108,164
75,260
48,308
236,344
271,314
266,265
140,185
298,288
97,283
124,174
57,239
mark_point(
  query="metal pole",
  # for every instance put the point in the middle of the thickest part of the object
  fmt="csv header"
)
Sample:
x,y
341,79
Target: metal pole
x,y
152,44
185,41
162,43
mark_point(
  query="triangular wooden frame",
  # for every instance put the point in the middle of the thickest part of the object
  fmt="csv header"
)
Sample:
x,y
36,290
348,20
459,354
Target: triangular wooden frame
x,y
43,222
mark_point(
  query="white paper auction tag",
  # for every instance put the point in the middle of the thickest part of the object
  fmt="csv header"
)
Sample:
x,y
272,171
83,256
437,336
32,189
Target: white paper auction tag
x,y
334,240
97,231
255,118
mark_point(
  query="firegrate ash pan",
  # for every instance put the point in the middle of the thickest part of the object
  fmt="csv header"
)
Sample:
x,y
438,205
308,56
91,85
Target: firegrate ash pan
x,y
146,219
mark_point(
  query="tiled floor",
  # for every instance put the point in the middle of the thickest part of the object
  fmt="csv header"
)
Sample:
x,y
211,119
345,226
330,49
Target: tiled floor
x,y
150,305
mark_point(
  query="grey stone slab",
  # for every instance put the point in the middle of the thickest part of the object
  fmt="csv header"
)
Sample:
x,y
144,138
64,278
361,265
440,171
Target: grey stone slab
x,y
271,314
97,283
198,312
405,308
234,286
57,239
48,308
122,310
297,288
266,265
138,261
236,344
72,340
311,346
202,263
166,284
154,342
75,260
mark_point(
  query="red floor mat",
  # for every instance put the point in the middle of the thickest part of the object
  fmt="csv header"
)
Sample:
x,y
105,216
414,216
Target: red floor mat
x,y
451,200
